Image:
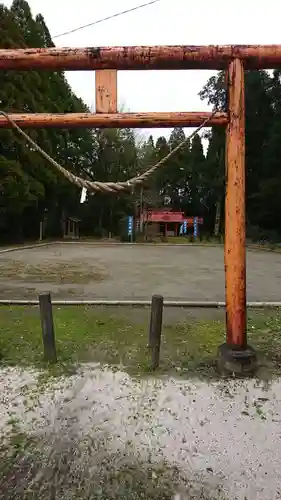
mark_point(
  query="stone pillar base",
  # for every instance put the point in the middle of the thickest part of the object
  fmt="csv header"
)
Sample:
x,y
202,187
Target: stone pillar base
x,y
233,360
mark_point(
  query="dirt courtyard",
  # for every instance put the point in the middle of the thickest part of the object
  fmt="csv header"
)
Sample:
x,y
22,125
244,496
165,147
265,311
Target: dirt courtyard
x,y
116,272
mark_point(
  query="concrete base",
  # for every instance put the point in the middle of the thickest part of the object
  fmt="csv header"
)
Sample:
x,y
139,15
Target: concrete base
x,y
236,361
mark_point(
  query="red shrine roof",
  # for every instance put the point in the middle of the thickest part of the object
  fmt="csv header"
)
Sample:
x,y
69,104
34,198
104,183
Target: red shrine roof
x,y
167,216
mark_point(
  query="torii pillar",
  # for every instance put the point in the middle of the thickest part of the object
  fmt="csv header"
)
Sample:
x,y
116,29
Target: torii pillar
x,y
235,356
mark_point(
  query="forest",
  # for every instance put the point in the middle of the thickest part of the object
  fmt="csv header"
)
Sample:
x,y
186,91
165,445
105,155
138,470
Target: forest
x,y
33,191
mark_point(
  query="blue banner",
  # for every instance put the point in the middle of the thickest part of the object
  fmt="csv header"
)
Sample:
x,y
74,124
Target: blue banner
x,y
195,227
130,225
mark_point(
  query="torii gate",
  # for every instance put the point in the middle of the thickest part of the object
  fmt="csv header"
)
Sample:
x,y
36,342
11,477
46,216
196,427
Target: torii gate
x,y
235,354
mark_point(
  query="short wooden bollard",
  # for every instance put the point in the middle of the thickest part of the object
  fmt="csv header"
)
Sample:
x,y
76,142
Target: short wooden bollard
x,y
155,330
47,324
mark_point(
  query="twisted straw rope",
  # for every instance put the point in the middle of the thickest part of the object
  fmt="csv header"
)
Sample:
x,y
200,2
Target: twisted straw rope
x,y
106,187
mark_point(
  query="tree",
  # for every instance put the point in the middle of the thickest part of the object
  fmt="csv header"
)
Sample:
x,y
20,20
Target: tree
x,y
115,159
266,182
214,181
196,179
259,115
33,91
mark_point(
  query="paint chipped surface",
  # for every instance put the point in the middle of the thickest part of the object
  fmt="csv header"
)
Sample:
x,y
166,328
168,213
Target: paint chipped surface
x,y
223,438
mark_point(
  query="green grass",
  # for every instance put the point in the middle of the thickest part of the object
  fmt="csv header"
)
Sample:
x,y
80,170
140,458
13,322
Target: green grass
x,y
190,240
182,240
28,472
85,334
82,334
266,247
14,447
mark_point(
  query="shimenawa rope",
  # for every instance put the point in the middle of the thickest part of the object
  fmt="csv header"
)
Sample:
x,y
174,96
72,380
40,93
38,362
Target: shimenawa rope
x,y
106,187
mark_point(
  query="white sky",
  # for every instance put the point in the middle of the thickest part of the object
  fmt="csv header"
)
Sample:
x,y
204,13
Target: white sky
x,y
168,22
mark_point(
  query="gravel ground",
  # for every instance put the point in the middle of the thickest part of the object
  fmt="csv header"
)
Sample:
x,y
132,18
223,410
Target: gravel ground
x,y
177,437
89,271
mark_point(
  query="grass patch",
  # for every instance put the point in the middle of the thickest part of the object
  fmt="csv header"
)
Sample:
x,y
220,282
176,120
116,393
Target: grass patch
x,y
85,334
82,334
56,273
189,239
182,240
29,472
266,247
17,449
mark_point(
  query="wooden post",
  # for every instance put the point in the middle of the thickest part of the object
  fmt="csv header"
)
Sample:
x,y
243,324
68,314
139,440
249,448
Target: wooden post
x,y
41,231
155,329
106,91
141,211
48,332
235,254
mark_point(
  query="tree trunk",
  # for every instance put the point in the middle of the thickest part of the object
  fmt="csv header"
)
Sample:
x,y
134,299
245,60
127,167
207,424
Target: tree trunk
x,y
218,218
111,229
101,220
63,222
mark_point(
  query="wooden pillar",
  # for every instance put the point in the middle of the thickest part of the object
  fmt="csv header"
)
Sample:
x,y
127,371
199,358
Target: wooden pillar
x,y
47,324
106,91
235,254
155,329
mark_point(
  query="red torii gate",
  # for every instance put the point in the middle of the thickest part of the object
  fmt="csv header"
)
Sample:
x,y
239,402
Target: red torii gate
x,y
235,354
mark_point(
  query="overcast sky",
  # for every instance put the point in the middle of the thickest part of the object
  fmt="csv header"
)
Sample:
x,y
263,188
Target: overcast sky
x,y
168,22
